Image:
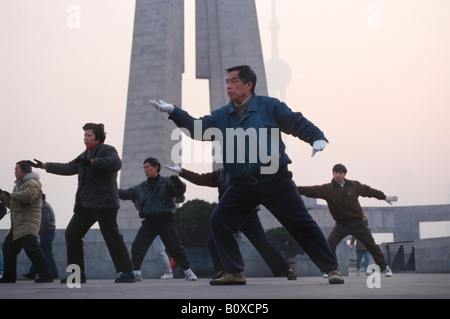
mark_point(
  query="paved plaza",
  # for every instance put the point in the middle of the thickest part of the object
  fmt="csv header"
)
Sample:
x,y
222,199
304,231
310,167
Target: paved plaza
x,y
400,286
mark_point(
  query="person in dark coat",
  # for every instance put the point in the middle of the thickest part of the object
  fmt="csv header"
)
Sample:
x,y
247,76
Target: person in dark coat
x,y
46,237
156,201
341,196
96,200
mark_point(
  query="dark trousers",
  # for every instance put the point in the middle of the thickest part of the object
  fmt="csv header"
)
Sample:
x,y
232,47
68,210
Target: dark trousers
x,y
79,225
164,226
45,242
11,248
255,233
280,196
362,232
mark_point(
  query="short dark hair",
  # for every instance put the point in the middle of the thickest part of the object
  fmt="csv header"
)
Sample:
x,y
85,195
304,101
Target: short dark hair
x,y
245,73
153,162
24,166
98,129
340,168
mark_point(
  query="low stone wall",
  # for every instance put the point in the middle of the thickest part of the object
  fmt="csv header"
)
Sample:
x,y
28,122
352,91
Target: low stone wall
x,y
99,264
432,255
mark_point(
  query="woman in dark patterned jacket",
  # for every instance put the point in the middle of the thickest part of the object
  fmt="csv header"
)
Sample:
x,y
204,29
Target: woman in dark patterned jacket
x,y
96,200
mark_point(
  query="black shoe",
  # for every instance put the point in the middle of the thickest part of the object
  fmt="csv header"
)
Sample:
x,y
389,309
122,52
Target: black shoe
x,y
7,281
28,277
43,280
290,275
126,278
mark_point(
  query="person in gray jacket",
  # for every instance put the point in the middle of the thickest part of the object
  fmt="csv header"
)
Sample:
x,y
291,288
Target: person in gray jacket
x,y
156,200
96,200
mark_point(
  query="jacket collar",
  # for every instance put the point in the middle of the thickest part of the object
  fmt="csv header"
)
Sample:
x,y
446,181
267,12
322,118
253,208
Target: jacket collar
x,y
32,175
336,184
252,106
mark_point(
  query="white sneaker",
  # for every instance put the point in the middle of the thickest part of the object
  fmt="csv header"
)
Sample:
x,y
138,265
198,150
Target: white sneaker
x,y
167,276
324,275
189,275
387,272
138,275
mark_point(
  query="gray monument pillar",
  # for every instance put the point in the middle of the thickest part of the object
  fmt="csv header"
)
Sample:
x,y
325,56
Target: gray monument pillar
x,y
157,64
227,35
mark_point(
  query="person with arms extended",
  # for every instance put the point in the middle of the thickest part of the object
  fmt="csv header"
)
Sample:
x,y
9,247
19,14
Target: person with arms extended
x,y
156,201
341,196
257,177
252,228
96,200
25,205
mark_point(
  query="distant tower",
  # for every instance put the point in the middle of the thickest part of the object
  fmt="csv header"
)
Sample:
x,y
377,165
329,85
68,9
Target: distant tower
x,y
227,35
278,70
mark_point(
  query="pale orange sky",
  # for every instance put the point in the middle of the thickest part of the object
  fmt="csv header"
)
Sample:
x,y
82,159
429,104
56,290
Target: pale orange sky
x,y
379,89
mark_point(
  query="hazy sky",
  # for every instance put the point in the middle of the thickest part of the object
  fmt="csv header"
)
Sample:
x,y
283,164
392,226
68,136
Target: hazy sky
x,y
373,75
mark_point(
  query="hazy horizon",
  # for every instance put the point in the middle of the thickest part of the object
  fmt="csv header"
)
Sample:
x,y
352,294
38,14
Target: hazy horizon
x,y
373,75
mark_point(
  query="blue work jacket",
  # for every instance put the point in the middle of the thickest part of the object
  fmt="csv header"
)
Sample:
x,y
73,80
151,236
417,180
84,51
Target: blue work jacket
x,y
261,125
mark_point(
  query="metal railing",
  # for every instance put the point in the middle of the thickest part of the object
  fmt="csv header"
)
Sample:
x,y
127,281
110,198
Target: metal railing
x,y
401,256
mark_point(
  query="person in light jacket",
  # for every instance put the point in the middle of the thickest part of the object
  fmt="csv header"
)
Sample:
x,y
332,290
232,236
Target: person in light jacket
x,y
25,205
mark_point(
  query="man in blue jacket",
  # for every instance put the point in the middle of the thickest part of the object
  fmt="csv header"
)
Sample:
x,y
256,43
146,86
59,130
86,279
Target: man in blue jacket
x,y
257,166
155,199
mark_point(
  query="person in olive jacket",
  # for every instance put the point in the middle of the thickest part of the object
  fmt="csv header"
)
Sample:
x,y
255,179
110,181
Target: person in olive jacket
x,y
25,205
96,200
341,196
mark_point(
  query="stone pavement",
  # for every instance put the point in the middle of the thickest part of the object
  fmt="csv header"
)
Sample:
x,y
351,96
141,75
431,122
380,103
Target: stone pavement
x,y
400,286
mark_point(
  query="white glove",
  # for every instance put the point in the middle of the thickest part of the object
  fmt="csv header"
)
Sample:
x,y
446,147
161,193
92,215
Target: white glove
x,y
318,146
162,106
391,199
175,168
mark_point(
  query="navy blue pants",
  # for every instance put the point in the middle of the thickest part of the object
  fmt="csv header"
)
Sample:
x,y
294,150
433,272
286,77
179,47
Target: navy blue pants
x,y
280,196
255,233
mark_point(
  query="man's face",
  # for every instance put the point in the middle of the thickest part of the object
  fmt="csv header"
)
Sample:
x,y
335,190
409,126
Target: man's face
x,y
18,172
237,90
150,171
339,177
